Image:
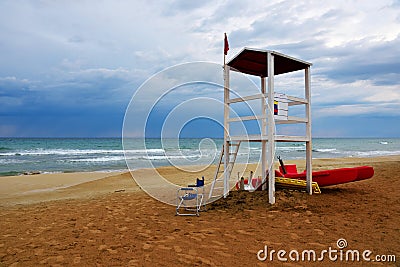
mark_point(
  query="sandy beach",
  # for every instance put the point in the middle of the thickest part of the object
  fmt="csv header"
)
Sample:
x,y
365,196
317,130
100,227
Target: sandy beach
x,y
105,219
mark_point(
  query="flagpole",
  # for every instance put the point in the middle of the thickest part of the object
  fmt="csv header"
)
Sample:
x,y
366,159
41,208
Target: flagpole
x,y
224,50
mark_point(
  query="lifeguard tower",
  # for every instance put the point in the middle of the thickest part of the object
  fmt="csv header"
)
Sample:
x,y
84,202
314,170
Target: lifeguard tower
x,y
265,64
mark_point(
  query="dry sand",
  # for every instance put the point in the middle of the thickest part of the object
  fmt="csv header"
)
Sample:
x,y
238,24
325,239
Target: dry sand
x,y
87,219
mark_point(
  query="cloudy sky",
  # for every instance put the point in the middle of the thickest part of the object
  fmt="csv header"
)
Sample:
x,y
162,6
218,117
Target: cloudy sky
x,y
70,68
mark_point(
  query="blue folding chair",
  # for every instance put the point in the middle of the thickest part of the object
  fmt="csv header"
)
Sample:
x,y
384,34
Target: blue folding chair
x,y
190,199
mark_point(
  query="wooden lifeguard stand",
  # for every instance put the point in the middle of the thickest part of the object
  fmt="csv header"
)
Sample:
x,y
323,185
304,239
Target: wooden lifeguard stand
x,y
265,64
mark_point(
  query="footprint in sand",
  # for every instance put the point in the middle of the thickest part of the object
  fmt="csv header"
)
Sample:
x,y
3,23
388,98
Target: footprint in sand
x,y
163,247
133,262
218,243
243,232
316,245
112,251
124,228
198,239
201,261
147,246
319,231
77,260
230,236
57,259
294,236
223,254
177,249
102,247
168,237
186,258
39,252
144,235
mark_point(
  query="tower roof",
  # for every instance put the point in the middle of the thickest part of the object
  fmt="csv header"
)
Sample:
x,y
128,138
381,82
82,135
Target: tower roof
x,y
255,62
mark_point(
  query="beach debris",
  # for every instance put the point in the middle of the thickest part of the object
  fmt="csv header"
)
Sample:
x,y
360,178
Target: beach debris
x,y
119,190
32,173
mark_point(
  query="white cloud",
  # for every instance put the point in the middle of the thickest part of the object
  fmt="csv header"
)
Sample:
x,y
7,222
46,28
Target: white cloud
x,y
105,50
359,109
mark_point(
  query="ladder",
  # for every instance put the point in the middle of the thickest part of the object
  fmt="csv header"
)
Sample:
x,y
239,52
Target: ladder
x,y
218,178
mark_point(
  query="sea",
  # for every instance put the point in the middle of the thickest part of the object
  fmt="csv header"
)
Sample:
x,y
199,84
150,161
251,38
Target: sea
x,y
55,155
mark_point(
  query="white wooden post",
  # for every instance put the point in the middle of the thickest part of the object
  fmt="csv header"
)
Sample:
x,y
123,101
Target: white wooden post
x,y
226,130
271,129
308,130
263,134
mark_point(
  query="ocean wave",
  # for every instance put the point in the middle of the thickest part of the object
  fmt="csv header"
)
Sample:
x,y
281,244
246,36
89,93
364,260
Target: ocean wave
x,y
290,148
52,155
326,150
12,161
74,152
99,159
376,153
142,157
165,157
139,151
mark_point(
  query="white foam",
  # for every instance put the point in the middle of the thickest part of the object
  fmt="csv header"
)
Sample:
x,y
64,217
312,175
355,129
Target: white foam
x,y
99,159
169,157
72,152
290,148
12,161
324,150
376,153
139,151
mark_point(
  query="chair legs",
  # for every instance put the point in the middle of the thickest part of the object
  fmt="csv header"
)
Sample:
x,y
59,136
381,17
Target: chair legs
x,y
186,196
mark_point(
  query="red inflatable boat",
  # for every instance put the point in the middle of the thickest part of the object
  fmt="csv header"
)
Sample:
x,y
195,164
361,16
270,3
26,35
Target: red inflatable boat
x,y
329,177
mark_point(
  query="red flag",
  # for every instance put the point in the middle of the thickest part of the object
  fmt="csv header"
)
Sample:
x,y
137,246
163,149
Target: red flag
x,y
226,45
